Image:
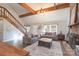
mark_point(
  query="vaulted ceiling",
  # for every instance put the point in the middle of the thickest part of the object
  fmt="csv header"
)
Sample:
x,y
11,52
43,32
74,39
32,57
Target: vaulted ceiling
x,y
18,9
28,9
38,6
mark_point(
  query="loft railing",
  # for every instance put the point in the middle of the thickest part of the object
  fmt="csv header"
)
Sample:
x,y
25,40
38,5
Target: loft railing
x,y
10,18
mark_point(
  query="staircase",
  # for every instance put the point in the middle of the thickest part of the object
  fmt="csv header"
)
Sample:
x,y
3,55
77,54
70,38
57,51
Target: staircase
x,y
4,13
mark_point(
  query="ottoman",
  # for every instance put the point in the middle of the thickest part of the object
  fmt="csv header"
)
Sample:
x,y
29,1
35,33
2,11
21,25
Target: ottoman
x,y
46,42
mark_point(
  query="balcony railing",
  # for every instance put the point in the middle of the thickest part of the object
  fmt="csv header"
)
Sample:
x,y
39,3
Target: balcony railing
x,y
4,13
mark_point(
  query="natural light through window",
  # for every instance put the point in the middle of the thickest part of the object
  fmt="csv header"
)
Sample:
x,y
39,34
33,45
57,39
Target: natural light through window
x,y
50,28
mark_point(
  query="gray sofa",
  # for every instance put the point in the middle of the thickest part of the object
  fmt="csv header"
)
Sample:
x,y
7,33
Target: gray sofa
x,y
51,35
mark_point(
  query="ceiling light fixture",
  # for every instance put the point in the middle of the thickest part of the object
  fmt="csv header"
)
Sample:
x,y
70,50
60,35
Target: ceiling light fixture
x,y
41,11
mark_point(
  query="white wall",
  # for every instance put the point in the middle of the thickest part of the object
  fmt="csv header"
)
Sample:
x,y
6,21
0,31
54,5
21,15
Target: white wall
x,y
11,34
60,17
53,16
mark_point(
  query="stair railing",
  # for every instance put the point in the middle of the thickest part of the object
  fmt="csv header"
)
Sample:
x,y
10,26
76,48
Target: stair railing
x,y
9,17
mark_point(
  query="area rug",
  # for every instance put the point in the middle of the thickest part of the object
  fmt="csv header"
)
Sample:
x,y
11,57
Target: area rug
x,y
36,50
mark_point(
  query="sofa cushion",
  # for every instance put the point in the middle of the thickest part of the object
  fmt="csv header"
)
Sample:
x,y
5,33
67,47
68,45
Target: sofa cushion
x,y
49,35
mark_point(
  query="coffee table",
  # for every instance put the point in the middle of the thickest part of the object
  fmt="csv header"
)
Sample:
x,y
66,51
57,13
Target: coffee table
x,y
46,42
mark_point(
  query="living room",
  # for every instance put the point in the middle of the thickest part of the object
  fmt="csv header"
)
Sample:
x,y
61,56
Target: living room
x,y
42,29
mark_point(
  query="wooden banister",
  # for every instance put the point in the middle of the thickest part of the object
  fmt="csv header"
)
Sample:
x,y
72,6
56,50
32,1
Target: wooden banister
x,y
6,14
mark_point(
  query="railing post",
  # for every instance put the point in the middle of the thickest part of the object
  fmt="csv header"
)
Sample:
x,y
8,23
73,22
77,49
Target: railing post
x,y
4,12
1,11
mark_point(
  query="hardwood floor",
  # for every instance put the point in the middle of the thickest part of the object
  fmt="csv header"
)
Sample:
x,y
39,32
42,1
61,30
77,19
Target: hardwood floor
x,y
67,50
9,50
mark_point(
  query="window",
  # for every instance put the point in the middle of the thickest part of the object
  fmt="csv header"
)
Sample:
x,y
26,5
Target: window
x,y
50,28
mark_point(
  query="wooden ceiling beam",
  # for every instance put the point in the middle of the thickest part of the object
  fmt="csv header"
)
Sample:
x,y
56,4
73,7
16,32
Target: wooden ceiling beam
x,y
26,14
27,7
56,7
